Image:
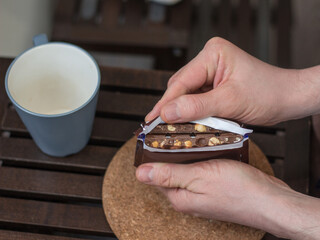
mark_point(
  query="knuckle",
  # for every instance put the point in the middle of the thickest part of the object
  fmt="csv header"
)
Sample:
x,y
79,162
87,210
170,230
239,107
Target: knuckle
x,y
202,168
193,105
209,168
164,176
216,42
172,80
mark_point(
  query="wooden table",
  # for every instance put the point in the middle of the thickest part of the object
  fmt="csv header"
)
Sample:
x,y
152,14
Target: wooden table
x,y
42,197
62,196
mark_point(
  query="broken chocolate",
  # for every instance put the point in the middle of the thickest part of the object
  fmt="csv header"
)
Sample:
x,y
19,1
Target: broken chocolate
x,y
191,142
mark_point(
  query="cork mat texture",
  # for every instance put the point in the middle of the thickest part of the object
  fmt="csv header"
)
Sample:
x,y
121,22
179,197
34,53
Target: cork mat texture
x,y
138,211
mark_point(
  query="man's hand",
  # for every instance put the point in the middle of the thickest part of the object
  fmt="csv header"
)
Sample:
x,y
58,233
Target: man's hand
x,y
225,81
232,191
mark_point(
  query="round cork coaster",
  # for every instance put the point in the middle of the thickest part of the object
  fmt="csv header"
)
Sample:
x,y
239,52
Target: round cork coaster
x,y
138,211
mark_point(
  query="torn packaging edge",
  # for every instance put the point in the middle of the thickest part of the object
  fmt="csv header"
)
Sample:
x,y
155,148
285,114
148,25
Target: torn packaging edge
x,y
236,151
214,122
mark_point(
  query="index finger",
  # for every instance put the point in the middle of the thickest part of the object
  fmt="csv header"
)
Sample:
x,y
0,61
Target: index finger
x,y
194,75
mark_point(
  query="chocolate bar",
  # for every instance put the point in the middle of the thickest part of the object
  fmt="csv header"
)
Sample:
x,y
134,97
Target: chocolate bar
x,y
191,142
188,135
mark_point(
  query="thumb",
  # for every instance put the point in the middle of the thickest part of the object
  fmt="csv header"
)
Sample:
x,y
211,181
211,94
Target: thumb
x,y
193,106
165,175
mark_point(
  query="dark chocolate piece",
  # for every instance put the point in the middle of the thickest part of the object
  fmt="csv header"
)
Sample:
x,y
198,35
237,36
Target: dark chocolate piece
x,y
145,156
176,140
183,128
192,136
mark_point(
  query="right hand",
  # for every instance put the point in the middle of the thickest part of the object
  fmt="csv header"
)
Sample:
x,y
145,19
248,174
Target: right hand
x,y
227,82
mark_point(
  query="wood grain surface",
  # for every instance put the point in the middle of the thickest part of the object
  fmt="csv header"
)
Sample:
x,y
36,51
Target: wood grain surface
x,y
138,211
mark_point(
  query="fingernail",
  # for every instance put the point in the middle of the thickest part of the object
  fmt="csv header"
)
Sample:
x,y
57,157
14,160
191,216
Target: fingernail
x,y
145,174
171,112
151,114
148,115
146,119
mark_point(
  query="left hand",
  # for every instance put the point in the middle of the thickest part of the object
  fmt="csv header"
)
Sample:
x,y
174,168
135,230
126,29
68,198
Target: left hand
x,y
225,190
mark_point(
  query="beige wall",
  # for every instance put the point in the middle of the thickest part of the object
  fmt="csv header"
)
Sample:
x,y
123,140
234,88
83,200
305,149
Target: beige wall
x,y
20,20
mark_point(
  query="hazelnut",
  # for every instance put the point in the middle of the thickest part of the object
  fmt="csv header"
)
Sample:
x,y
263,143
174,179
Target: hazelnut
x,y
177,143
201,142
188,144
237,139
155,144
171,128
213,141
200,128
162,144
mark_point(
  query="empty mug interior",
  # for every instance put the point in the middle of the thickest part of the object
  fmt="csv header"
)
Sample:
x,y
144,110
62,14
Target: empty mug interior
x,y
53,78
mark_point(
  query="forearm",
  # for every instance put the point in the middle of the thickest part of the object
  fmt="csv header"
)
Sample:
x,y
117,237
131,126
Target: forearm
x,y
292,215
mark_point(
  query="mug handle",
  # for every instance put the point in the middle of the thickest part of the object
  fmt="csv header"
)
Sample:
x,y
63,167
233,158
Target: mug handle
x,y
40,39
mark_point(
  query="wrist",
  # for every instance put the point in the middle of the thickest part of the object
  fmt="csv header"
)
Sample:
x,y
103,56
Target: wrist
x,y
292,215
301,92
311,78
304,218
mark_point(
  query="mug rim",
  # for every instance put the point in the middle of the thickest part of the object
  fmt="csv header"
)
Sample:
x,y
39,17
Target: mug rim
x,y
59,114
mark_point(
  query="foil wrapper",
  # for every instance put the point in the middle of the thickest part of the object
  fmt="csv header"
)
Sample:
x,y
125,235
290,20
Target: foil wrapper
x,y
236,151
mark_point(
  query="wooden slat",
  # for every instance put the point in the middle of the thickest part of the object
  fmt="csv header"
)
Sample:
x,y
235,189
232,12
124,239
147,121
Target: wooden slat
x,y
126,103
109,102
315,156
263,30
147,36
224,27
134,12
4,64
279,126
53,216
245,33
51,185
297,159
106,129
271,145
278,168
140,79
110,10
65,10
180,15
202,28
18,151
14,235
117,130
283,33
299,184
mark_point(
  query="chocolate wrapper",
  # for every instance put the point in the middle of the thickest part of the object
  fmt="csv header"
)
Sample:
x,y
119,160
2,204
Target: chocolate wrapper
x,y
209,138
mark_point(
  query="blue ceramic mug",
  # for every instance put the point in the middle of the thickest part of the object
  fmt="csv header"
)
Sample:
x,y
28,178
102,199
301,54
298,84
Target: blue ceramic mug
x,y
54,88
